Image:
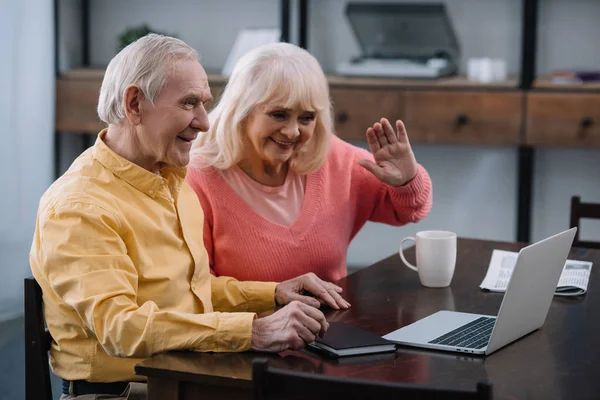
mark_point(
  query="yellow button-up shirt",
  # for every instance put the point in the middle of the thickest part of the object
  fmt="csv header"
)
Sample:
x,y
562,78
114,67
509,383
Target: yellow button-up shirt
x,y
119,254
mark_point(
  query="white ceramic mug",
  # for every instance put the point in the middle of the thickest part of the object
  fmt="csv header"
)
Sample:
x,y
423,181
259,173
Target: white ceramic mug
x,y
436,257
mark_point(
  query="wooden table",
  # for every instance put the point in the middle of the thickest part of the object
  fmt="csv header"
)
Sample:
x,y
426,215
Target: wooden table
x,y
559,361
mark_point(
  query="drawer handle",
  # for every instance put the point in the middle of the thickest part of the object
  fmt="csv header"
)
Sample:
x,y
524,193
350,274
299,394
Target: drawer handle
x,y
462,120
586,122
341,117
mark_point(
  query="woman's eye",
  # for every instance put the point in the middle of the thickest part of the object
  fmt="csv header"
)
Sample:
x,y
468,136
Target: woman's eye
x,y
278,115
308,118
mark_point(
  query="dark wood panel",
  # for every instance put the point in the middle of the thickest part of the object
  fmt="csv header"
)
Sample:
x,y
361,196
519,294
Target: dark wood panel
x,y
555,362
570,120
76,102
489,118
159,389
357,109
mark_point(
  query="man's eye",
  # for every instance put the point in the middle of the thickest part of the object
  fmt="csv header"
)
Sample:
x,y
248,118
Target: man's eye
x,y
308,117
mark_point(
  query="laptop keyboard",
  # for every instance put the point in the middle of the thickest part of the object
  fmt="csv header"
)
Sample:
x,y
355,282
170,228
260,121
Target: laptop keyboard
x,y
474,335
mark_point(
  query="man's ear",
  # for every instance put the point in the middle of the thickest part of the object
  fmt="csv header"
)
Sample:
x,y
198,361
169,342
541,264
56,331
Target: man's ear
x,y
133,99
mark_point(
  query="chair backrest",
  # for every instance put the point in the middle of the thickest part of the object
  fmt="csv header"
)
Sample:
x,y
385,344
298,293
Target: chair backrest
x,y
37,345
273,383
581,210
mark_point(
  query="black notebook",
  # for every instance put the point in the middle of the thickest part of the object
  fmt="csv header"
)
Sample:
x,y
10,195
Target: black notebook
x,y
346,340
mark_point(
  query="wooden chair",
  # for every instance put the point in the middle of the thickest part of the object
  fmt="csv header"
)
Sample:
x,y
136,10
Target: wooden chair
x,y
583,210
272,383
37,345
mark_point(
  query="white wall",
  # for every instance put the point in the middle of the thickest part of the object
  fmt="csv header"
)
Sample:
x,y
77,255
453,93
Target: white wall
x,y
560,174
26,120
474,187
569,34
209,26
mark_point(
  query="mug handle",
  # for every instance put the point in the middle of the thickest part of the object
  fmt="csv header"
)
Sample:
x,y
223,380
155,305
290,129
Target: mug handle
x,y
409,265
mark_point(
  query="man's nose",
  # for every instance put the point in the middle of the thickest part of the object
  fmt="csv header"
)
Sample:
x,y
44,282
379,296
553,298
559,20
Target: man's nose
x,y
200,120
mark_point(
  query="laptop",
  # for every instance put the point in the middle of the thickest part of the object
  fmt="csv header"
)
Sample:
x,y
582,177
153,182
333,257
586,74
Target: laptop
x,y
524,307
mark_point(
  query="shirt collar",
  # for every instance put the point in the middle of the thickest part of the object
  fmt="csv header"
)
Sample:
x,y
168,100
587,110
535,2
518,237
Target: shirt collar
x,y
138,177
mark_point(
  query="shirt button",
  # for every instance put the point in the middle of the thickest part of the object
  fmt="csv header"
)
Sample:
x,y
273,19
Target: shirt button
x,y
150,192
172,200
162,181
234,346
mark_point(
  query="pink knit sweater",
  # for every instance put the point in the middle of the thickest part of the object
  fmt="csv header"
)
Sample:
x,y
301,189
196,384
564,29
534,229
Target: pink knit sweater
x,y
339,198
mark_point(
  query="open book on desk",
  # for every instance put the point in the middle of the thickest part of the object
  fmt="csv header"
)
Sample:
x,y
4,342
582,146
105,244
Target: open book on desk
x,y
573,279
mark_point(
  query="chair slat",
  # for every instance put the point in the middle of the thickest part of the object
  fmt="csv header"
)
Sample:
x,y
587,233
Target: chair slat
x,y
580,210
37,344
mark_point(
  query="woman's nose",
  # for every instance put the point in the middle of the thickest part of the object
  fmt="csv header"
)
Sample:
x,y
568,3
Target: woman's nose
x,y
291,130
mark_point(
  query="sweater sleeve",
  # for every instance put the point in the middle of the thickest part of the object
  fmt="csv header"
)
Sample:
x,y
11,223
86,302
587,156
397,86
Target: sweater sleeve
x,y
388,204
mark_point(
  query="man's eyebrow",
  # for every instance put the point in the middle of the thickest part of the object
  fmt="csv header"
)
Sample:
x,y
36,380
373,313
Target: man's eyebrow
x,y
197,97
190,96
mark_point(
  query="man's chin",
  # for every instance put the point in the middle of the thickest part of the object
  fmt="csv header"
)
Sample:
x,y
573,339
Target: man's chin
x,y
179,162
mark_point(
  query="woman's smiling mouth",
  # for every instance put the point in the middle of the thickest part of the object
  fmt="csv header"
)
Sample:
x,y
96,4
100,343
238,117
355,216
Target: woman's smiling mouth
x,y
283,144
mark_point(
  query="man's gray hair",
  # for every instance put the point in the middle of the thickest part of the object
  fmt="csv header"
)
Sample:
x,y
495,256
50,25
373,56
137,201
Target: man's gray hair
x,y
145,63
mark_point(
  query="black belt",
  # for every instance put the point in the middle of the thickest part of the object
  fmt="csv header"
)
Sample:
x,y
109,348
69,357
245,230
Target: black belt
x,y
84,387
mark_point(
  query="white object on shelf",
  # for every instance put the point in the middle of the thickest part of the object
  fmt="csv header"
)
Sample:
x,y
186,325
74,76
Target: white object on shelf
x,y
246,40
401,68
486,70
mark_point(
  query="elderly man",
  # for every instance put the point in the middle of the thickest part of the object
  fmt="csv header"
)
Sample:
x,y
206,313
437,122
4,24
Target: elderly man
x,y
118,247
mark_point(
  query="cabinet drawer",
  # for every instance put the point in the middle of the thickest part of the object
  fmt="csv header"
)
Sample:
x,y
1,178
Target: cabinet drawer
x,y
76,102
563,119
463,117
354,110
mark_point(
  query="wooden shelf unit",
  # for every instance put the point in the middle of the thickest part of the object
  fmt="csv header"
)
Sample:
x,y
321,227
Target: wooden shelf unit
x,y
450,110
445,111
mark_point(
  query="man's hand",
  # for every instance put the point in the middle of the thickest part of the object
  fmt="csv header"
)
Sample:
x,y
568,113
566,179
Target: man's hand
x,y
291,327
323,292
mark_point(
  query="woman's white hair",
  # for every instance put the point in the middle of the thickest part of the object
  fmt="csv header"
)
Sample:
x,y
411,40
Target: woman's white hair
x,y
146,63
279,73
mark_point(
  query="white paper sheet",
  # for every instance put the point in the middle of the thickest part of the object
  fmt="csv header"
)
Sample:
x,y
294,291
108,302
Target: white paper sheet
x,y
573,280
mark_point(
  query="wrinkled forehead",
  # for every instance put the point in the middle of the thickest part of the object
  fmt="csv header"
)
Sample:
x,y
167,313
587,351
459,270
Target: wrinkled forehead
x,y
185,77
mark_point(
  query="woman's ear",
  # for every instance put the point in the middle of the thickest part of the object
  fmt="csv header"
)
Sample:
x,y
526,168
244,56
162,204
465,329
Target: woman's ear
x,y
133,99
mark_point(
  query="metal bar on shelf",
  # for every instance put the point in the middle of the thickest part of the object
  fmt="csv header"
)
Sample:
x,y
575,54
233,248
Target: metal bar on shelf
x,y
284,20
85,32
57,142
303,24
526,154
525,192
85,59
529,43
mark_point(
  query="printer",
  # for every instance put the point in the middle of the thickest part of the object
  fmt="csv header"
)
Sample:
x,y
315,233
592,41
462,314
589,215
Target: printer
x,y
402,41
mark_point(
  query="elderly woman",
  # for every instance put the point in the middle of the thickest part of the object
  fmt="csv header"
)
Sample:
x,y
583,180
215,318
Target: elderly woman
x,y
282,195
